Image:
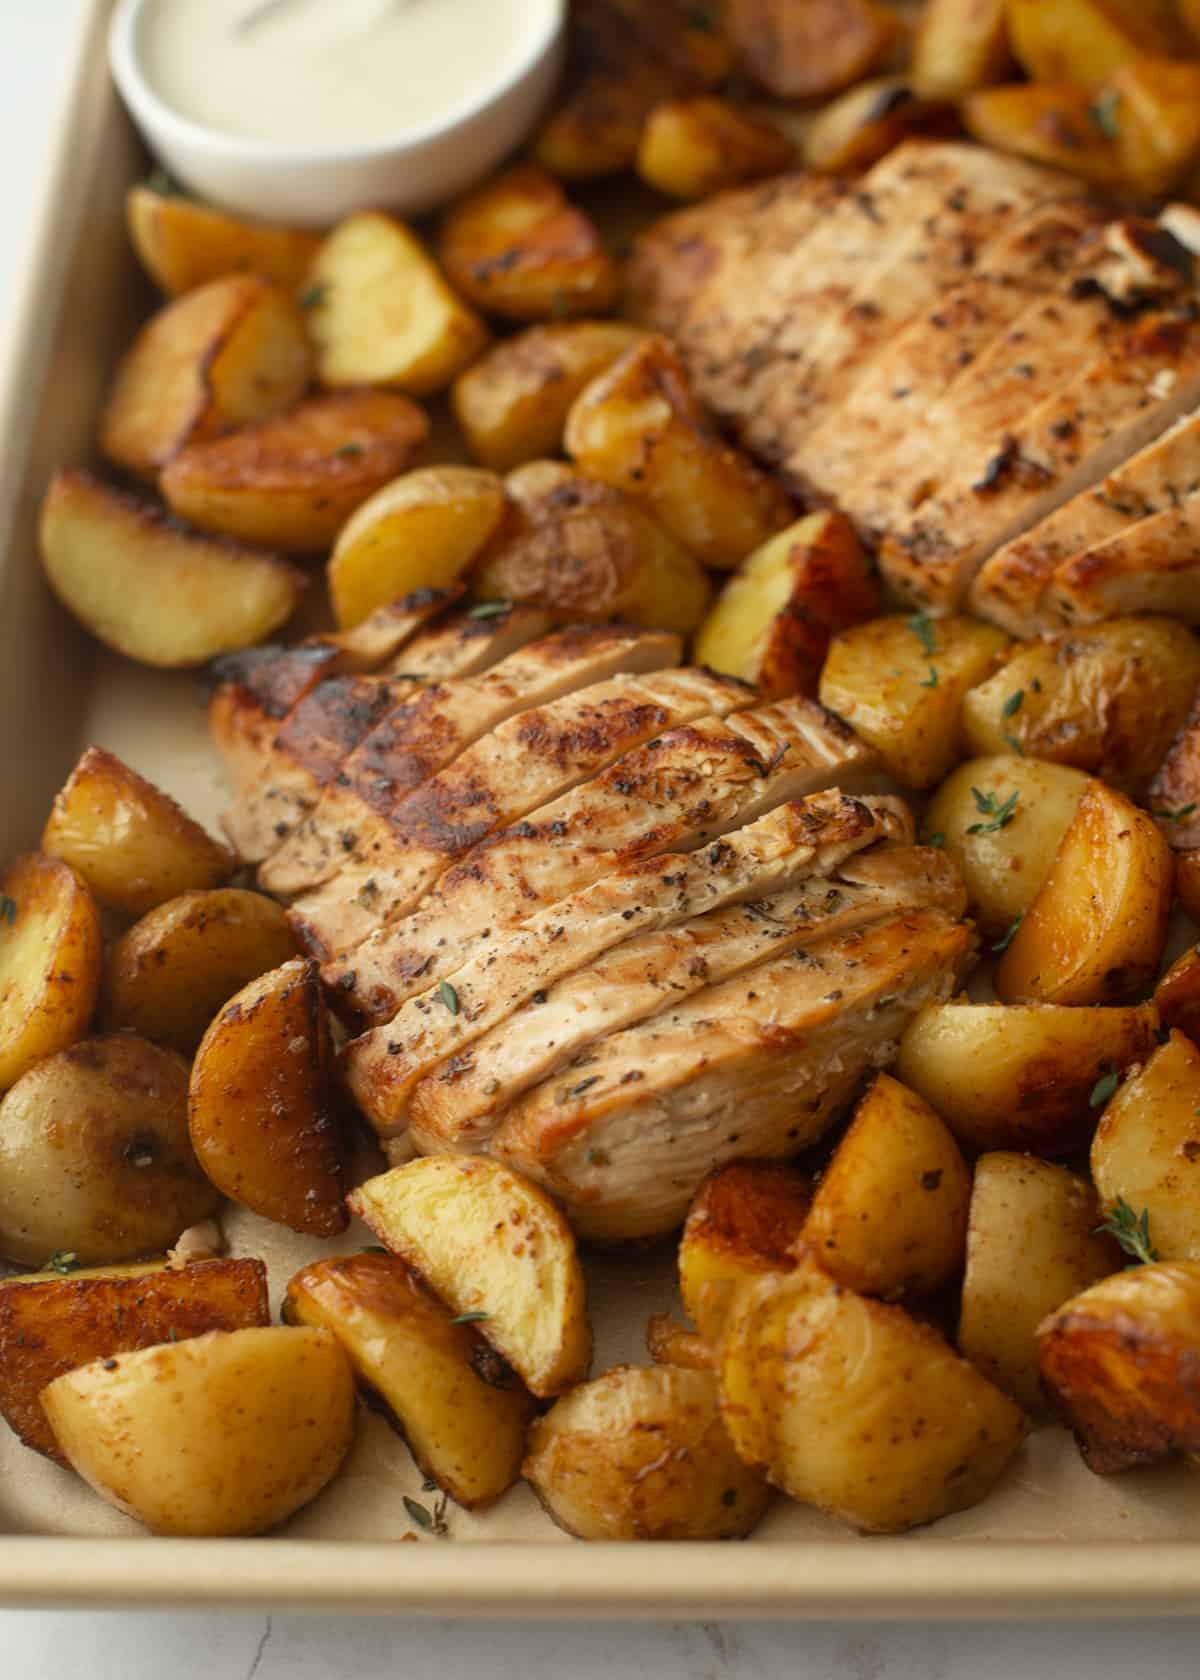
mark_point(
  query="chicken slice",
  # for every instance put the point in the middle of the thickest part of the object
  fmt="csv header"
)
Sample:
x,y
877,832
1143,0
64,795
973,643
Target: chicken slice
x,y
682,791
760,1066
1152,566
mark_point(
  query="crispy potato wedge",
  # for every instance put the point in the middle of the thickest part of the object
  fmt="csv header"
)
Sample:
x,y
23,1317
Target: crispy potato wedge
x,y
50,1325
462,1410
1187,883
1046,1216
1107,699
291,483
94,1155
1083,41
1021,1077
1121,1362
230,352
900,681
1146,1151
772,623
170,973
1096,930
512,404
1157,117
641,1453
382,313
640,428
691,148
421,531
960,45
596,128
669,1343
487,1241
1004,862
51,959
154,592
183,244
581,548
889,1216
1177,994
858,127
227,1433
850,1405
743,1222
1053,123
801,49
132,844
259,1107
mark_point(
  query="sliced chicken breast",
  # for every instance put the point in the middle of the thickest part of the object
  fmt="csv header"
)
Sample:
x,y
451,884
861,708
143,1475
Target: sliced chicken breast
x,y
1152,566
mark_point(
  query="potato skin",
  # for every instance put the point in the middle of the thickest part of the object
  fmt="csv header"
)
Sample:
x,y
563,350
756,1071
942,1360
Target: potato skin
x,y
183,244
1177,994
691,148
1147,1147
51,953
801,52
742,1222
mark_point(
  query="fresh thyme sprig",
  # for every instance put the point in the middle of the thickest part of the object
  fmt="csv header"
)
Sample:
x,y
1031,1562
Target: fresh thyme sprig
x,y
999,812
1131,1231
921,626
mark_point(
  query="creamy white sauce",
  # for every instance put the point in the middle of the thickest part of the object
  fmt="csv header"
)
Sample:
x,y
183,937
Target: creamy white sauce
x,y
327,72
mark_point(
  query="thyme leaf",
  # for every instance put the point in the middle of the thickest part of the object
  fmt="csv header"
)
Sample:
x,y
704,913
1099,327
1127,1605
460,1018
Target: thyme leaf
x,y
448,996
1178,814
470,1318
921,626
1131,1231
312,296
1013,704
1009,934
938,840
61,1261
1103,1089
8,909
1000,812
489,609
933,678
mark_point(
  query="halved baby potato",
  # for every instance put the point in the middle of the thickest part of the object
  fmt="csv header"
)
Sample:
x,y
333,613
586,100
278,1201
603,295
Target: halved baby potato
x,y
858,127
800,51
1084,41
1146,1151
489,1242
1053,123
1177,994
691,148
743,1222
183,244
51,955
960,45
151,590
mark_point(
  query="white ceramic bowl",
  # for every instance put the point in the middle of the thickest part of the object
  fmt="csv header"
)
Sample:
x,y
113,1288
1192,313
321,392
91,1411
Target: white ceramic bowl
x,y
315,186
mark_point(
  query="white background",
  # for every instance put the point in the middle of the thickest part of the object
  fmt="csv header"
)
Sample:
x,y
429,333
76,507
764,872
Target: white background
x,y
71,1645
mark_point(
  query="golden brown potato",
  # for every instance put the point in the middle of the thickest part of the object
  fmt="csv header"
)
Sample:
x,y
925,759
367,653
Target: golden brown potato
x,y
51,957
1187,882
1156,106
669,1343
516,247
381,312
227,1433
800,49
691,148
596,128
960,45
889,1216
1096,930
1174,794
462,1410
1107,699
1001,819
1054,123
583,549
259,1108
1083,41
183,244
1022,1077
512,404
292,482
1120,1363
1146,1151
52,1324
899,681
154,592
772,623
490,1243
1032,1243
230,352
743,1222
857,128
94,1155
641,1453
422,531
640,428
1177,994
852,1406
170,973
129,840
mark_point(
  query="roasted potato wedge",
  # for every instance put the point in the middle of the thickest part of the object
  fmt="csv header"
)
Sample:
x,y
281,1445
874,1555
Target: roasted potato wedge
x,y
1054,123
381,312
801,49
51,956
421,531
889,1216
1146,1151
641,1453
462,1410
581,548
230,352
1031,1245
1002,819
1022,1077
94,1155
1107,699
183,244
773,621
512,404
156,593
852,1406
960,45
1177,994
489,1242
743,1222
691,148
857,128
1084,41
170,973
129,840
1096,930
1156,112
259,1107
50,1325
1121,1363
900,681
640,428
670,1343
227,1433
292,482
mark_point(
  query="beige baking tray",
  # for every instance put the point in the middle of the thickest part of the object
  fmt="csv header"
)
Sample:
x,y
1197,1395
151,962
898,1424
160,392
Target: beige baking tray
x,y
1052,1539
